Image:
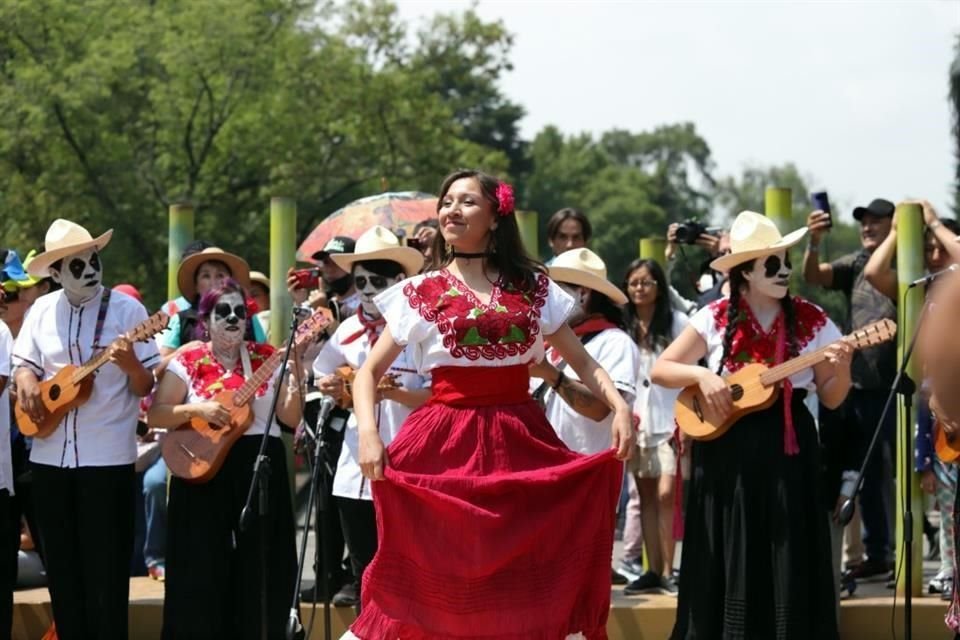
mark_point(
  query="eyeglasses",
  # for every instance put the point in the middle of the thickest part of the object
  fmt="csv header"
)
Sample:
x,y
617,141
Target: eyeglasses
x,y
222,310
643,284
378,282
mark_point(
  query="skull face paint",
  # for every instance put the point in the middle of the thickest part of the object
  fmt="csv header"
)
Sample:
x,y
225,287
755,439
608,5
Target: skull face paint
x,y
227,321
368,285
80,276
771,275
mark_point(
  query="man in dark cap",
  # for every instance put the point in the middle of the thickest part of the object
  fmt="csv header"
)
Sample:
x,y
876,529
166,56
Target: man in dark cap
x,y
872,370
337,284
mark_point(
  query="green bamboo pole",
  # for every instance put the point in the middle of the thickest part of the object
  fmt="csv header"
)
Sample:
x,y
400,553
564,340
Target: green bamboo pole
x,y
283,247
909,268
654,249
778,206
283,254
180,235
527,221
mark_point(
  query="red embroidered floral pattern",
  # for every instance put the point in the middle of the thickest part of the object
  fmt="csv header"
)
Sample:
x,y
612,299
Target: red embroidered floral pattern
x,y
207,375
752,344
506,326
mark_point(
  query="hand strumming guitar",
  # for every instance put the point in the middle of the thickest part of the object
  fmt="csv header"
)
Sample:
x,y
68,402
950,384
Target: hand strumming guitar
x,y
717,394
28,394
211,411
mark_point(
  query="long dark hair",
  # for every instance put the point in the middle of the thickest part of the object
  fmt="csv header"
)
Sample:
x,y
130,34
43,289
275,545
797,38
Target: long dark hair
x,y
508,255
599,304
660,333
738,282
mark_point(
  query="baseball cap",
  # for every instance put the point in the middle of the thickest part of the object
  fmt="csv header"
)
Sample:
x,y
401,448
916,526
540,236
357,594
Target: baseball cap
x,y
337,244
877,207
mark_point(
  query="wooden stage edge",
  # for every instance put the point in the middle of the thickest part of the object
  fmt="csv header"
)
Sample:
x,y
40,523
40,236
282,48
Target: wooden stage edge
x,y
636,618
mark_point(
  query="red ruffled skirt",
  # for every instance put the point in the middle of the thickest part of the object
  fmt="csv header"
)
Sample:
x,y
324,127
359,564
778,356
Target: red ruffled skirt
x,y
488,525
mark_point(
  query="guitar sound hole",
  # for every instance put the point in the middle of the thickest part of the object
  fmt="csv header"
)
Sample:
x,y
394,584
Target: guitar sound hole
x,y
54,392
737,392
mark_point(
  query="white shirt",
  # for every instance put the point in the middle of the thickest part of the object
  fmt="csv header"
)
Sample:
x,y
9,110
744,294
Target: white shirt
x,y
6,464
348,481
710,323
616,352
655,404
101,432
444,336
202,389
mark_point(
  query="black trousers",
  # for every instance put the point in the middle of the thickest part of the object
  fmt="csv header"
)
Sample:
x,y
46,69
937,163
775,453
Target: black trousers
x,y
86,526
9,547
359,521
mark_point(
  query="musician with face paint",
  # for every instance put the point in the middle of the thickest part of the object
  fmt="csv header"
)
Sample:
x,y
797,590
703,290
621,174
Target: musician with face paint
x,y
756,552
83,473
377,263
212,567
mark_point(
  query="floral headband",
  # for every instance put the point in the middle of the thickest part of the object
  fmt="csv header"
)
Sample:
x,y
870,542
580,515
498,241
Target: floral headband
x,y
505,200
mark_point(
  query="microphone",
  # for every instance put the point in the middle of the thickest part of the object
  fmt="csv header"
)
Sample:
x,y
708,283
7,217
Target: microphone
x,y
302,312
294,629
326,406
933,276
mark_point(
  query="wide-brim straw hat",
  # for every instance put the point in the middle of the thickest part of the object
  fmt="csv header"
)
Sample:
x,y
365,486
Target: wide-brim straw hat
x,y
378,243
754,235
186,274
260,278
64,238
584,268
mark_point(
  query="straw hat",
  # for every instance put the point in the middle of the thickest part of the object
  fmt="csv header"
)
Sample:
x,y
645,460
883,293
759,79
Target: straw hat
x,y
187,273
260,278
754,235
64,238
584,268
378,243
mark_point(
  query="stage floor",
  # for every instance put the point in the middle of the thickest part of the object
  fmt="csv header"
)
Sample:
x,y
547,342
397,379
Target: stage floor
x,y
648,617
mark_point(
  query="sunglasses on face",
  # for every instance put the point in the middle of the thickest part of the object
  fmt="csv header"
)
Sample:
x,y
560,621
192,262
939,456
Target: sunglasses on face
x,y
378,282
222,310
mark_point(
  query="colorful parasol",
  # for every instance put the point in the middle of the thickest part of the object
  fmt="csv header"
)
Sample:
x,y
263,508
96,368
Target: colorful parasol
x,y
396,211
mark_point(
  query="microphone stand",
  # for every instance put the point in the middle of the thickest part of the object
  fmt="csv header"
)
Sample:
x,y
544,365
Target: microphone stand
x,y
259,484
903,385
318,492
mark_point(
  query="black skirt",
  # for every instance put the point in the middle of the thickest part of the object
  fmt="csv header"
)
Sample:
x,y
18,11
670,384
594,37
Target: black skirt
x,y
212,568
756,559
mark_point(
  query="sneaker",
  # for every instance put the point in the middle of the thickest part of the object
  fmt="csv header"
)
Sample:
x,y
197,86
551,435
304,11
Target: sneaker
x,y
157,571
668,586
647,583
870,570
939,584
618,578
631,567
947,593
347,596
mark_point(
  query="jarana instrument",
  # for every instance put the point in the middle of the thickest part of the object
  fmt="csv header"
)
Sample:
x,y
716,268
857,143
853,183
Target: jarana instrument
x,y
347,375
755,386
195,451
71,386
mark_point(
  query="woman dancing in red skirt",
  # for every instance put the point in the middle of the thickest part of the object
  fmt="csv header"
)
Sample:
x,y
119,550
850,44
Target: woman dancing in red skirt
x,y
489,526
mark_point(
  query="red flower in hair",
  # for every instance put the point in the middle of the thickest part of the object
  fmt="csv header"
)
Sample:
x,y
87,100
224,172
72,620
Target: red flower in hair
x,y
505,200
252,307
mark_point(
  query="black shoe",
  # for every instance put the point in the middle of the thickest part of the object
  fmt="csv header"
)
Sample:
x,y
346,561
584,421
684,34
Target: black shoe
x,y
870,570
647,583
617,578
347,596
669,586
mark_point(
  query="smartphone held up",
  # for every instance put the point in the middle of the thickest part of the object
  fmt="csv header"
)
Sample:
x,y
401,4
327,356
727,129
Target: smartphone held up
x,y
821,201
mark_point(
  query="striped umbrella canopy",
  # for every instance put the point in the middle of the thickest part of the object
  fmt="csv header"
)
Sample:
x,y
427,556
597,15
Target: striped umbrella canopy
x,y
397,211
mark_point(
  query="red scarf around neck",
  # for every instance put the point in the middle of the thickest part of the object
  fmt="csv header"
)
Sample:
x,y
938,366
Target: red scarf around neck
x,y
592,324
368,326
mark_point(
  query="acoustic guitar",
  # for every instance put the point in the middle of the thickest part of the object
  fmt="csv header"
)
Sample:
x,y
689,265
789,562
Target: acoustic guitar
x,y
195,451
71,386
755,386
947,447
347,374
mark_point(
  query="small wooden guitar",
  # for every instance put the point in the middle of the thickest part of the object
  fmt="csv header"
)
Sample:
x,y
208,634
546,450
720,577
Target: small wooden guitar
x,y
71,386
947,447
196,450
755,386
348,373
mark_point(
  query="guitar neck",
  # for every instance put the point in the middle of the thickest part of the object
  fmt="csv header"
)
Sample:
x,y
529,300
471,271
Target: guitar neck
x,y
90,366
249,388
792,367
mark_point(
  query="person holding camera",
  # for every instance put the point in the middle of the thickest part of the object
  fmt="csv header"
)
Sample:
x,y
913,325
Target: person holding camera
x,y
873,369
338,293
710,285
